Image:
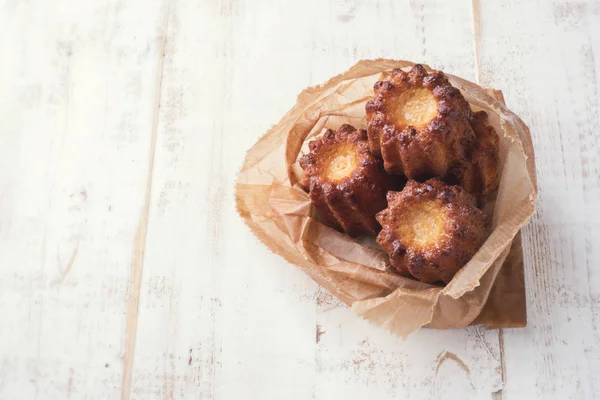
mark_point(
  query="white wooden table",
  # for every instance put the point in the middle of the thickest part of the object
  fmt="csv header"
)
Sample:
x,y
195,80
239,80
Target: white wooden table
x,y
125,271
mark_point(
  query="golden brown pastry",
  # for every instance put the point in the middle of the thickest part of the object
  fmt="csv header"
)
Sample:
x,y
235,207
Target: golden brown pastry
x,y
431,230
347,184
480,175
419,124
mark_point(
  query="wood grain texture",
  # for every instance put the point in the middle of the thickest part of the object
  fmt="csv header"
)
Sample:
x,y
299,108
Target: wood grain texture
x,y
125,271
544,57
221,317
78,85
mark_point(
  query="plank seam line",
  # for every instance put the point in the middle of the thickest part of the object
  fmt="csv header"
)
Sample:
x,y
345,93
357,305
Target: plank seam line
x,y
140,239
502,362
475,11
476,35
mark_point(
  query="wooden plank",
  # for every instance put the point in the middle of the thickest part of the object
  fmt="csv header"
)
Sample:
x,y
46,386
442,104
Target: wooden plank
x,y
78,83
543,55
213,299
221,317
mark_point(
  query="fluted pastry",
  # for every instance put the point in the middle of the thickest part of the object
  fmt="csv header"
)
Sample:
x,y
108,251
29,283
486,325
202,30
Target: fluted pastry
x,y
480,175
430,230
347,184
419,123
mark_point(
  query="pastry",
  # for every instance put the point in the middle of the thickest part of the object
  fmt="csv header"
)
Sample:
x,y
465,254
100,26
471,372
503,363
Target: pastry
x,y
419,124
346,183
430,230
480,175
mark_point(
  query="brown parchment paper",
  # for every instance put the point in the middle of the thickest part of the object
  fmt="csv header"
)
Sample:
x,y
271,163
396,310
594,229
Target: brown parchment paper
x,y
356,270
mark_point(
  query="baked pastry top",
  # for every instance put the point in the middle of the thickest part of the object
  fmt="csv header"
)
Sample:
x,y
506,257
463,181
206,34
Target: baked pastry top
x,y
346,183
419,124
430,230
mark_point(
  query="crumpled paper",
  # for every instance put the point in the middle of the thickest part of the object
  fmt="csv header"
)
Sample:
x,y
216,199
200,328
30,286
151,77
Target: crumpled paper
x,y
488,290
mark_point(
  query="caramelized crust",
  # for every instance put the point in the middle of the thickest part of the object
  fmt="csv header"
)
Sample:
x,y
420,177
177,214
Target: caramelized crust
x,y
346,183
480,175
431,230
419,124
